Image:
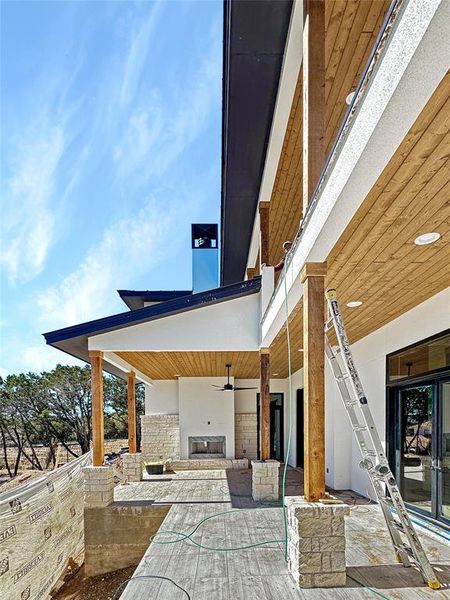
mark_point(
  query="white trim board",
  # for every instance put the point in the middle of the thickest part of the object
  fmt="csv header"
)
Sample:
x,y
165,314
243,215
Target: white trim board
x,y
113,359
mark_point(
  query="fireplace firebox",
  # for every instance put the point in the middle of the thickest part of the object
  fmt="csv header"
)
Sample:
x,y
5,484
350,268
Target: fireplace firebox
x,y
207,446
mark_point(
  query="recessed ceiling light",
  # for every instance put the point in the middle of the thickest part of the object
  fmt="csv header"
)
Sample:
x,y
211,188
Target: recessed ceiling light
x,y
300,350
354,303
177,375
349,98
427,238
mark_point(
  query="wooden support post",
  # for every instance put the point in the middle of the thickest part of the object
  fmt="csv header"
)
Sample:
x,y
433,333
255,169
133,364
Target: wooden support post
x,y
264,404
264,233
132,445
313,96
250,273
98,432
313,279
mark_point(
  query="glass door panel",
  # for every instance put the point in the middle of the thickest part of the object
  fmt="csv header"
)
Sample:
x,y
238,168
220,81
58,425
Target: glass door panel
x,y
444,472
416,443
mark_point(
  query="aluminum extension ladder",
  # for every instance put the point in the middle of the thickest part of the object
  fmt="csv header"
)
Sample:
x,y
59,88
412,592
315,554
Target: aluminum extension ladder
x,y
407,545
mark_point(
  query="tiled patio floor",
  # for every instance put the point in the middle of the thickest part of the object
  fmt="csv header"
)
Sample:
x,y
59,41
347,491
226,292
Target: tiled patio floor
x,y
260,573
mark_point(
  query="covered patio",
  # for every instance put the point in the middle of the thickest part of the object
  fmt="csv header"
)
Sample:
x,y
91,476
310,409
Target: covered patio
x,y
259,572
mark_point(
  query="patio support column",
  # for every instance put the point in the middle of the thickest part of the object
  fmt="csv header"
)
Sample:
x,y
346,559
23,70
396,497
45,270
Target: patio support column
x,y
98,443
313,279
313,96
264,417
264,233
131,389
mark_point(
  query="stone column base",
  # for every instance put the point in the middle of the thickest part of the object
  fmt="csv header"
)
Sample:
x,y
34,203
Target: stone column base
x,y
98,486
265,480
316,542
132,466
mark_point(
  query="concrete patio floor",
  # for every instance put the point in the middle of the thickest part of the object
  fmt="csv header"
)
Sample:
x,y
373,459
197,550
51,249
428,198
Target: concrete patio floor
x,y
260,573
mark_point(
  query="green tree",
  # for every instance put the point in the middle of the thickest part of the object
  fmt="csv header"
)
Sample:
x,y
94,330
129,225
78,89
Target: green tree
x,y
54,408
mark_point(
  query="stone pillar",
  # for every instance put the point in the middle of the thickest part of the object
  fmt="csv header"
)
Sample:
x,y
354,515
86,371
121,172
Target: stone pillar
x,y
132,466
98,486
316,542
265,476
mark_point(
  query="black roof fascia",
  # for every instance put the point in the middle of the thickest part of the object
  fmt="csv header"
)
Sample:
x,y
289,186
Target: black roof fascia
x,y
135,299
255,36
156,311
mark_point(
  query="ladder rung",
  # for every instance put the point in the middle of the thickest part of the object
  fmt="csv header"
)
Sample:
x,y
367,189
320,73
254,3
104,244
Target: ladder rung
x,y
398,526
395,513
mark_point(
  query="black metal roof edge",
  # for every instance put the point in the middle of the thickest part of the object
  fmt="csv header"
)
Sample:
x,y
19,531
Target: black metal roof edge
x,y
157,311
153,294
245,240
224,129
135,299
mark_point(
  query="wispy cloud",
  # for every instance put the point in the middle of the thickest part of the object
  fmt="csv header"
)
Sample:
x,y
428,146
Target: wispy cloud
x,y
140,41
28,219
158,130
127,249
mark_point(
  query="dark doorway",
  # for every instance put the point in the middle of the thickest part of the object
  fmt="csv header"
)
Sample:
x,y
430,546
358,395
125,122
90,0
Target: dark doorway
x,y
276,426
300,430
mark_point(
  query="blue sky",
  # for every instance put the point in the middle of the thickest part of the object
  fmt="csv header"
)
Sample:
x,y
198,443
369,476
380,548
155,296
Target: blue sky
x,y
110,148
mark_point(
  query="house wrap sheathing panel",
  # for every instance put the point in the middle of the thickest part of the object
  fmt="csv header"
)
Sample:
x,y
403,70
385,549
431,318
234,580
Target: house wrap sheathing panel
x,y
41,527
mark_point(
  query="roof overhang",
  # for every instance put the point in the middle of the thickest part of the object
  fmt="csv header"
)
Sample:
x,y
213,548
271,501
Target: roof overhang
x,y
135,299
254,43
74,340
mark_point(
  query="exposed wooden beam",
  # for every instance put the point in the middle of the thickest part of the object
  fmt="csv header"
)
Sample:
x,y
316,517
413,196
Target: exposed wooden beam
x,y
264,227
250,273
265,403
98,432
313,279
313,95
132,444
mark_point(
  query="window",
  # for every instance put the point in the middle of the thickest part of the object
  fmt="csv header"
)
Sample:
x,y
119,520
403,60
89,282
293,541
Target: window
x,y
427,357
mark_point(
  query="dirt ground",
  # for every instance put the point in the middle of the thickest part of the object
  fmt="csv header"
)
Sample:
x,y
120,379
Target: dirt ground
x,y
7,484
102,587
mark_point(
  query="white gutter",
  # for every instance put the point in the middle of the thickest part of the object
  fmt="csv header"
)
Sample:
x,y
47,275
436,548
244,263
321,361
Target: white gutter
x,y
290,70
411,65
113,359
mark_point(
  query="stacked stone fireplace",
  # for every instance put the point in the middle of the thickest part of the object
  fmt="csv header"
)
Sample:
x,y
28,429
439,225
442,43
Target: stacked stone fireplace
x,y
207,446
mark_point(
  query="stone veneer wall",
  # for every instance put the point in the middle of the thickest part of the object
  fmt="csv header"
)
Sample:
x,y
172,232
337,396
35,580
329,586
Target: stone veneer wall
x,y
245,432
160,437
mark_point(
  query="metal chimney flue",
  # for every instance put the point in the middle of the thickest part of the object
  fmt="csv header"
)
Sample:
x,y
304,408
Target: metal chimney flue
x,y
205,257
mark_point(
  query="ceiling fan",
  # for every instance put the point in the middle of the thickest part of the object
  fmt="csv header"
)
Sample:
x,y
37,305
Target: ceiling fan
x,y
229,387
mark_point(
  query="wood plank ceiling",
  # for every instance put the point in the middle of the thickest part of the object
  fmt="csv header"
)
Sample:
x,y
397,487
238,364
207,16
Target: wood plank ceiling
x,y
375,260
352,27
170,365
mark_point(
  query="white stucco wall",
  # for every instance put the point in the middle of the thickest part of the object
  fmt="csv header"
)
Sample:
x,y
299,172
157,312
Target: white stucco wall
x,y
203,411
230,325
161,398
427,319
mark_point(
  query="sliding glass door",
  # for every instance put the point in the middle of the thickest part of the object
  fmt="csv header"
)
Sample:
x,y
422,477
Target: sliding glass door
x,y
443,467
416,408
423,447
